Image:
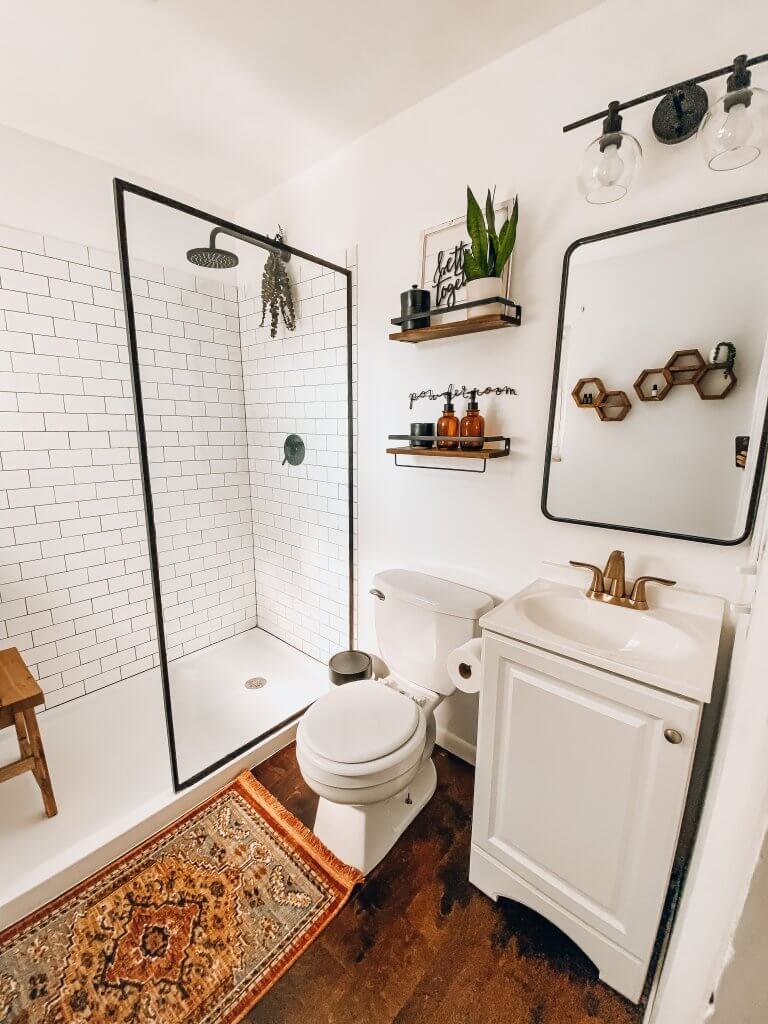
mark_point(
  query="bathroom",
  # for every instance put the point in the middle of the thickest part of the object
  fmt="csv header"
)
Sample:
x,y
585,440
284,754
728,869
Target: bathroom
x,y
483,103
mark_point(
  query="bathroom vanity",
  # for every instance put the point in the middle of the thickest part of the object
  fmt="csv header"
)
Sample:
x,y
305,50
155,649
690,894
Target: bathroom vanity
x,y
589,717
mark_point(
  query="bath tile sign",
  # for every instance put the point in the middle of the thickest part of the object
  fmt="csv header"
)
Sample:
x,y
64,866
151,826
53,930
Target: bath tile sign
x,y
441,264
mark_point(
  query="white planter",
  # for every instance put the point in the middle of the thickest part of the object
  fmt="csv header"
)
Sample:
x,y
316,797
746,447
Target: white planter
x,y
484,288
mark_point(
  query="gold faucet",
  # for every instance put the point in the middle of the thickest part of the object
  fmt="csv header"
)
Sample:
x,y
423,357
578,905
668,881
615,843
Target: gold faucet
x,y
610,586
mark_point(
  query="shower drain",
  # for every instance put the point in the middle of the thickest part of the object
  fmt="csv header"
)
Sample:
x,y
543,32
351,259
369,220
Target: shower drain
x,y
256,683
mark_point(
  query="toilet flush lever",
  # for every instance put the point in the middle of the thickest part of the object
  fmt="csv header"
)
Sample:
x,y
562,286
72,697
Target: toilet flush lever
x,y
376,593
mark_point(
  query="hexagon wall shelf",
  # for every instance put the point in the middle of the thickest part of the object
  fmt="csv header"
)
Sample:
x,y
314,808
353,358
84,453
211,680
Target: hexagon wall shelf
x,y
715,382
582,388
685,366
613,406
661,377
712,381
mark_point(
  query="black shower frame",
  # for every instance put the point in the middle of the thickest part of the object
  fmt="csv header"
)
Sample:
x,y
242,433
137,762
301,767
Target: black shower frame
x,y
121,189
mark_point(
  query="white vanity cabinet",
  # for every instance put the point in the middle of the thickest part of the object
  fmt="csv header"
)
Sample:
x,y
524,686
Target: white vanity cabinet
x,y
580,787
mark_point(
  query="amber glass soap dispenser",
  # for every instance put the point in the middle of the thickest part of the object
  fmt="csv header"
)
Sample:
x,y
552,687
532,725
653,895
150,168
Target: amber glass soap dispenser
x,y
472,425
448,426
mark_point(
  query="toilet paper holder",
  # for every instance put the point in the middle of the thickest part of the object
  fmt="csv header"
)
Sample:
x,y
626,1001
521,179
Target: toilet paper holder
x,y
464,666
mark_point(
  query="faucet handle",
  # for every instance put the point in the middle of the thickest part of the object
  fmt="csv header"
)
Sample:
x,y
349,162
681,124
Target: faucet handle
x,y
597,586
638,598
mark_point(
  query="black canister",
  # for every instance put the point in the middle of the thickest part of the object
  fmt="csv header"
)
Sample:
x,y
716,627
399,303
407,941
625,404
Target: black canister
x,y
425,430
415,300
349,666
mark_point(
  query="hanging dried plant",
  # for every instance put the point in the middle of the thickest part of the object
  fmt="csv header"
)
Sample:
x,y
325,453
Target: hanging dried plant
x,y
277,291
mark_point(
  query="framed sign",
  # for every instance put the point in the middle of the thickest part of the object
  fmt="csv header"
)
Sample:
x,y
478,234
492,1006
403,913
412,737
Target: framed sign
x,y
441,264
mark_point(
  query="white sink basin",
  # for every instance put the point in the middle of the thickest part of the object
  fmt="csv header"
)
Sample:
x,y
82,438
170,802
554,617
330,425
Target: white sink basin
x,y
672,646
606,627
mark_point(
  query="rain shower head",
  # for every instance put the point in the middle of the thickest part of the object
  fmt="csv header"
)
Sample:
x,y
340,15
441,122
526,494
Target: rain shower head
x,y
212,258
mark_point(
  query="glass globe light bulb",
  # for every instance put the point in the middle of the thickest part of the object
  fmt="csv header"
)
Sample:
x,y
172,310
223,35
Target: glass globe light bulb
x,y
611,166
733,131
608,167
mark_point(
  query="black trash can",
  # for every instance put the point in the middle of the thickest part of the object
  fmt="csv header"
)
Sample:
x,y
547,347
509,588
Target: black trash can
x,y
349,666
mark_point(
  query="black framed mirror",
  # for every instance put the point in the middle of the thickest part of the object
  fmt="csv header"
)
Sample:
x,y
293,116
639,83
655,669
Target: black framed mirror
x,y
657,420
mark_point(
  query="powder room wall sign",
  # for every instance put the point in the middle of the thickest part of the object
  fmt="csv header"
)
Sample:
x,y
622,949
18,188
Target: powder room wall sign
x,y
441,264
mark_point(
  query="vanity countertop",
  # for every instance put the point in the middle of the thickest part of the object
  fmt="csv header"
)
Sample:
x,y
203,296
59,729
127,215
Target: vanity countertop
x,y
672,646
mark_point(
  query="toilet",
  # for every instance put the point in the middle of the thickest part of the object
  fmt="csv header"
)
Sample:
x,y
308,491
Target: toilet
x,y
365,748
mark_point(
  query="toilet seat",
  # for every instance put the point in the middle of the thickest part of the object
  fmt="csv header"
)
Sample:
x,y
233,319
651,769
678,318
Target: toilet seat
x,y
359,723
344,723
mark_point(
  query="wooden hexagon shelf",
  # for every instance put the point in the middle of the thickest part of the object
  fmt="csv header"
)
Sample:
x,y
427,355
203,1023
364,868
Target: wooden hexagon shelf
x,y
613,406
598,392
661,377
686,366
715,382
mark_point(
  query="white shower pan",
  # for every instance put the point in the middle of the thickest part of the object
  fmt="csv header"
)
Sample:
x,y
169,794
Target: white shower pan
x,y
109,761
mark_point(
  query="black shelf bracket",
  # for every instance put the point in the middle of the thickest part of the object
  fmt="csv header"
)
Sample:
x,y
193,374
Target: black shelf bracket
x,y
424,463
515,317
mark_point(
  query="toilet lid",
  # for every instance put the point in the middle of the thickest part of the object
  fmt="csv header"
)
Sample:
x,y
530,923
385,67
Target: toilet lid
x,y
359,722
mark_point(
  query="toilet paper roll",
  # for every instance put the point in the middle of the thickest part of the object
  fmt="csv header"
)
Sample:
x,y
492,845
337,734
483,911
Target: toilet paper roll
x,y
464,666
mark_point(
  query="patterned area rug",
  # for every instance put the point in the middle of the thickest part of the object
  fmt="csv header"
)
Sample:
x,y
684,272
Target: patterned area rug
x,y
192,927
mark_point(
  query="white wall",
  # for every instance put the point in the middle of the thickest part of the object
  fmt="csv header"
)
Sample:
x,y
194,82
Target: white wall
x,y
742,996
55,191
502,126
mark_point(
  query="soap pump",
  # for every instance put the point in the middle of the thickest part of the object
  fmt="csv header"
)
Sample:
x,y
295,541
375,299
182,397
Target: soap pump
x,y
448,425
472,425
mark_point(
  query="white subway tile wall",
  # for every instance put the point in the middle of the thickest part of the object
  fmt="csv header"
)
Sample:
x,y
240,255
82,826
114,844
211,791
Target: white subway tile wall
x,y
75,595
194,413
296,383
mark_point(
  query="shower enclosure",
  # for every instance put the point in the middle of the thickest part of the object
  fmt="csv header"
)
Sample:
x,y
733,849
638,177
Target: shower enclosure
x,y
245,463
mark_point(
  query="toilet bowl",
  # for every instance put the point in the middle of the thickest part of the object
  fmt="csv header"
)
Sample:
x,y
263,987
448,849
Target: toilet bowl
x,y
365,747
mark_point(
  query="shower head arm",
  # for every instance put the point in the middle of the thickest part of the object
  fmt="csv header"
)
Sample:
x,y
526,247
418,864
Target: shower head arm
x,y
251,241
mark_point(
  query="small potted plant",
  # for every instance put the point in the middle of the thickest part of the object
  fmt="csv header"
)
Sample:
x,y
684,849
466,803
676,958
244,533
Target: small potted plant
x,y
484,262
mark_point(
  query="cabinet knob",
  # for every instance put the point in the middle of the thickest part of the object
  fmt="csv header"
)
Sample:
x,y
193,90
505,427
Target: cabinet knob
x,y
673,736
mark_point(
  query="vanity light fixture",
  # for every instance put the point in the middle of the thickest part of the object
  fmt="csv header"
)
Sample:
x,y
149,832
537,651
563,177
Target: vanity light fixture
x,y
733,131
610,162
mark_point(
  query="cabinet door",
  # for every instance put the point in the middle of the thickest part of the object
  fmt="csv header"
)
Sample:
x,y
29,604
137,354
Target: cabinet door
x,y
577,790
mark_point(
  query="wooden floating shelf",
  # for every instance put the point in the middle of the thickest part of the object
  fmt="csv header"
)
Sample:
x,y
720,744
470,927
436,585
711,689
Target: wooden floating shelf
x,y
458,327
477,457
450,453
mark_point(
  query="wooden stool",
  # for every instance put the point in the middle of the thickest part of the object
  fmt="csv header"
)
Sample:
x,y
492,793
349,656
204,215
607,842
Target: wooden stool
x,y
19,696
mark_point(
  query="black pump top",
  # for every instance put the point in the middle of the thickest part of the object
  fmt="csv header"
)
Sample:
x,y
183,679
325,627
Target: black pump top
x,y
472,405
448,407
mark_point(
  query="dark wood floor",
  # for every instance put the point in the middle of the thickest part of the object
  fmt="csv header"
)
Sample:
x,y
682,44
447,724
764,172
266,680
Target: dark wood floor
x,y
417,944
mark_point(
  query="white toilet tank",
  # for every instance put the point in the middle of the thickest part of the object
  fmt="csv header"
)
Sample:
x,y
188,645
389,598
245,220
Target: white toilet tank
x,y
419,620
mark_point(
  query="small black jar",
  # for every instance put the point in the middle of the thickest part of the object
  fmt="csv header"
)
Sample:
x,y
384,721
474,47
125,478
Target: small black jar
x,y
415,300
425,430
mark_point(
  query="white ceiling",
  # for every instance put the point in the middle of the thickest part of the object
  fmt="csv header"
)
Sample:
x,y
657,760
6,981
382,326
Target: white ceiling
x,y
226,98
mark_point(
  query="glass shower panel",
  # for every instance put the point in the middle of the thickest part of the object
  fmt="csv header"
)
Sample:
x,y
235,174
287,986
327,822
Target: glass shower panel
x,y
244,438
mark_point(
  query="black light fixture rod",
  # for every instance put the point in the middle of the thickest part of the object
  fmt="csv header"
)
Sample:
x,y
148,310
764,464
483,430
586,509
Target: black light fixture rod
x,y
664,92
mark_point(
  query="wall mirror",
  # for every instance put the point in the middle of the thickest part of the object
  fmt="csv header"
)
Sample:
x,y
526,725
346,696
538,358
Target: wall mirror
x,y
650,428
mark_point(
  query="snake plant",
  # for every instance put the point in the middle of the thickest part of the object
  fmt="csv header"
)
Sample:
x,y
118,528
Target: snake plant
x,y
490,249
